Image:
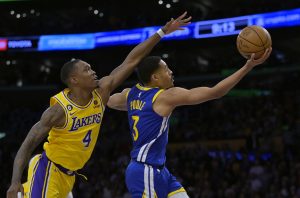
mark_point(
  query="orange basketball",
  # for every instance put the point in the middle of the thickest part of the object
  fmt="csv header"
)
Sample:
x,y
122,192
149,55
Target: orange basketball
x,y
253,39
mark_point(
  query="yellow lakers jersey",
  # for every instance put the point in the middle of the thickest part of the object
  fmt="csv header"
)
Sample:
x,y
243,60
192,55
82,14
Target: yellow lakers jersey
x,y
72,145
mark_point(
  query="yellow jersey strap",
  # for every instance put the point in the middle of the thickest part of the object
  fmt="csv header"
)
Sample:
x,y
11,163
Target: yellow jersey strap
x,y
127,93
101,101
156,95
54,100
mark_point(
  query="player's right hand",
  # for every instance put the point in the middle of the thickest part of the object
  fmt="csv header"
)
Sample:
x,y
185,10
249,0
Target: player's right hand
x,y
252,62
13,190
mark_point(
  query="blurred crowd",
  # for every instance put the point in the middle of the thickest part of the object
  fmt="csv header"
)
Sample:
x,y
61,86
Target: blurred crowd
x,y
259,168
53,17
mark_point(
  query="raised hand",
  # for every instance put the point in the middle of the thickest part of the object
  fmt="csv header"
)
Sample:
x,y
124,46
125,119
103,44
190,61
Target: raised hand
x,y
252,62
176,24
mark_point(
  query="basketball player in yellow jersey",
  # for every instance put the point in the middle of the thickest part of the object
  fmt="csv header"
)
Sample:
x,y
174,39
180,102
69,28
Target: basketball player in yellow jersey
x,y
72,122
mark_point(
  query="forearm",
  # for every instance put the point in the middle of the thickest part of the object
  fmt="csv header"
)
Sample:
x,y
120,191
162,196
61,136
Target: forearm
x,y
21,161
139,52
32,140
143,49
119,74
223,87
118,108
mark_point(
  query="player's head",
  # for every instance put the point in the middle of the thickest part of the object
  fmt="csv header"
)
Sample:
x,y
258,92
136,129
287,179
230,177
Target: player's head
x,y
153,71
77,73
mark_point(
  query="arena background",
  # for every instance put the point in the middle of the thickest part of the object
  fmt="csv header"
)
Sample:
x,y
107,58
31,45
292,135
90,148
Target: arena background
x,y
243,145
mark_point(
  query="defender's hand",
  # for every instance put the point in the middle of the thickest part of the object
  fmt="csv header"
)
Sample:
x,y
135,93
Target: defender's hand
x,y
176,24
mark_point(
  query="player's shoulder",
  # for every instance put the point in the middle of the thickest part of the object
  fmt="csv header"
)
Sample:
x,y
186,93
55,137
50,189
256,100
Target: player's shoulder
x,y
53,116
105,83
171,96
126,90
56,108
172,91
54,113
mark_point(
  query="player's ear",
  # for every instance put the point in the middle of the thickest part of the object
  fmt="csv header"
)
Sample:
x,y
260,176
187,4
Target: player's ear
x,y
154,77
73,80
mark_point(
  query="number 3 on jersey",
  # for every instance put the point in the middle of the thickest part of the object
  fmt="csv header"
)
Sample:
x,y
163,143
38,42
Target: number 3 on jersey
x,y
136,132
87,138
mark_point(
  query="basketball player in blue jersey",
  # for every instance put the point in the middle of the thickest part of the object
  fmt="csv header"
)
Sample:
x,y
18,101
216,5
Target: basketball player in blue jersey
x,y
72,123
149,105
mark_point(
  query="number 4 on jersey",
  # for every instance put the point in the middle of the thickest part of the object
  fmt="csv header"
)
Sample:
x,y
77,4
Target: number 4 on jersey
x,y
87,139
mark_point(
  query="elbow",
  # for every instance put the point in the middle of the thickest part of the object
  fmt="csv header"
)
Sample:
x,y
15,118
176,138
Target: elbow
x,y
110,104
218,94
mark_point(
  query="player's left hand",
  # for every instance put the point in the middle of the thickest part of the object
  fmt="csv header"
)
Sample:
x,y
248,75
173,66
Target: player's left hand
x,y
176,24
13,190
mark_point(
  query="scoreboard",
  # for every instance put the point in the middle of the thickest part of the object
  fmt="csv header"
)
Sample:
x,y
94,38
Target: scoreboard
x,y
196,30
221,27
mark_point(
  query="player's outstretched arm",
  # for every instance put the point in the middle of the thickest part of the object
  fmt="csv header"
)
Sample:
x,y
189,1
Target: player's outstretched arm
x,y
177,96
118,101
119,74
53,116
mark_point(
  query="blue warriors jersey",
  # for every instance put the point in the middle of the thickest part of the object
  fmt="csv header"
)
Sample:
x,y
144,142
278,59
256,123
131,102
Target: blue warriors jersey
x,y
149,130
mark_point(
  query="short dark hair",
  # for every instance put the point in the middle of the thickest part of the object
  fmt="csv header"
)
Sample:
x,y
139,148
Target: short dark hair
x,y
67,69
146,68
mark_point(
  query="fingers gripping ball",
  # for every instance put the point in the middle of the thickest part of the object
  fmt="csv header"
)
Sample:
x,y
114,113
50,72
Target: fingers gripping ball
x,y
253,39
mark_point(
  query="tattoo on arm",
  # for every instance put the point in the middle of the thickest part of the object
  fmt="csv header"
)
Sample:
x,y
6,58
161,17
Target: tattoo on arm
x,y
35,136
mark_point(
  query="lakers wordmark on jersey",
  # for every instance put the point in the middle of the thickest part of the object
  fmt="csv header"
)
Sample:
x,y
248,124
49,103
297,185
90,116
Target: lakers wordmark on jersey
x,y
72,145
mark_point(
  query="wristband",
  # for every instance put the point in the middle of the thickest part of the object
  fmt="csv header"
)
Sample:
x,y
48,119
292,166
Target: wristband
x,y
160,33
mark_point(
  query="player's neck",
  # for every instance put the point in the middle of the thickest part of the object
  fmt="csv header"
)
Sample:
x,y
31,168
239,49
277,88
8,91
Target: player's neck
x,y
151,85
79,96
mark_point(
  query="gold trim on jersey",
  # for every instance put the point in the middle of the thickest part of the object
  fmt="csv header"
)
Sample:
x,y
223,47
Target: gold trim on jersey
x,y
156,95
33,175
98,94
127,93
65,94
176,191
140,87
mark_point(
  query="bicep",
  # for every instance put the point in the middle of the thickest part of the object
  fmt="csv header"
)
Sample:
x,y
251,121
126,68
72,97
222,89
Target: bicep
x,y
179,96
50,118
37,133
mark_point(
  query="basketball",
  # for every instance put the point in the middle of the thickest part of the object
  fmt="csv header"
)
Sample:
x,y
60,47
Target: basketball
x,y
253,39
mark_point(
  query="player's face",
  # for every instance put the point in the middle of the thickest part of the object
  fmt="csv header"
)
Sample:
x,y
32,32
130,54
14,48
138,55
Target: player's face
x,y
85,76
165,76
